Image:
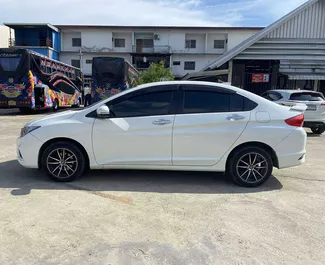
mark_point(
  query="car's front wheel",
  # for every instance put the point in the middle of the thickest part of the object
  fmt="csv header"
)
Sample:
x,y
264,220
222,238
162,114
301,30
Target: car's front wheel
x,y
318,130
63,161
250,166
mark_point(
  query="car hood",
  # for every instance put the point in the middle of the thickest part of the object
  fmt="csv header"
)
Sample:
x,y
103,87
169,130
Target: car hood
x,y
52,118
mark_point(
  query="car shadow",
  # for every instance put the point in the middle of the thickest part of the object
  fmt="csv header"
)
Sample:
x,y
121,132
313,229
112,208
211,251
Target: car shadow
x,y
22,181
310,134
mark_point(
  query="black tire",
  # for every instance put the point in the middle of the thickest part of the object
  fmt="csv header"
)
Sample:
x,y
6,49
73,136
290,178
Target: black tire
x,y
237,163
77,105
318,130
69,170
25,110
55,106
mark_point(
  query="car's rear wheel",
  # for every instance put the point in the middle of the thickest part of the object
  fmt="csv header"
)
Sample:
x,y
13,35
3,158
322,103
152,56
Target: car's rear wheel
x,y
55,106
63,161
318,130
250,166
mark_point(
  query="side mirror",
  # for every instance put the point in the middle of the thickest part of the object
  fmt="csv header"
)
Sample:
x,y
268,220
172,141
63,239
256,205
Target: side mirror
x,y
103,112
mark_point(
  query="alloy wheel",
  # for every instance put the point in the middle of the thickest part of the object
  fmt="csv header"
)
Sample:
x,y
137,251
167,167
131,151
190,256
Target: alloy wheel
x,y
252,167
62,163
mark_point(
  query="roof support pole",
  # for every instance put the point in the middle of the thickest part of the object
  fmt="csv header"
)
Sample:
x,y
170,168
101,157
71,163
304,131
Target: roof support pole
x,y
315,85
230,65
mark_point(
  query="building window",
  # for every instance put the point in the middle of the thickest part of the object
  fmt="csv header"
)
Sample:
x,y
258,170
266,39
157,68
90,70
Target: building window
x,y
189,65
119,43
176,63
190,44
89,61
219,44
76,42
75,63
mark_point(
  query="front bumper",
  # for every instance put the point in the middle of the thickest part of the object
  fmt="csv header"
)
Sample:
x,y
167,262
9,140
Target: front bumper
x,y
28,148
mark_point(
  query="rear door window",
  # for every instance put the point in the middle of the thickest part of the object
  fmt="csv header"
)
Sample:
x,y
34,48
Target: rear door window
x,y
209,101
307,96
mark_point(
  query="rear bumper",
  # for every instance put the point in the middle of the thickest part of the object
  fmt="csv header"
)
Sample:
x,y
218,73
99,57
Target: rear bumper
x,y
27,151
291,151
310,124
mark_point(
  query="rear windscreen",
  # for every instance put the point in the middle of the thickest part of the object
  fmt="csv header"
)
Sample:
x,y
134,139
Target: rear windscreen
x,y
307,96
9,64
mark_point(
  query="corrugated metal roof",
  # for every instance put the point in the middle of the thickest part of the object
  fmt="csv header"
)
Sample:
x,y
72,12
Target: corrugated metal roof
x,y
307,24
29,25
258,36
306,77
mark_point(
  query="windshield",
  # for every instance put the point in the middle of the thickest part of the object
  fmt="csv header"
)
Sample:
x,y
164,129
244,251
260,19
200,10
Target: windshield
x,y
307,96
9,64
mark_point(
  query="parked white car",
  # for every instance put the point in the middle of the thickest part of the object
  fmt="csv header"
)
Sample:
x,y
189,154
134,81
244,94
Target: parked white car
x,y
176,125
315,102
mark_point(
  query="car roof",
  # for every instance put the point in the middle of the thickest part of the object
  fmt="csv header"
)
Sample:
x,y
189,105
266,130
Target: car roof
x,y
243,92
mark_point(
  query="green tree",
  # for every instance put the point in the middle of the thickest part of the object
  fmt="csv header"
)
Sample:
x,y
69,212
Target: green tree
x,y
155,73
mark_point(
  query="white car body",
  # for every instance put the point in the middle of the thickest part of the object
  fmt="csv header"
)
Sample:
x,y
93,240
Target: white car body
x,y
315,109
194,142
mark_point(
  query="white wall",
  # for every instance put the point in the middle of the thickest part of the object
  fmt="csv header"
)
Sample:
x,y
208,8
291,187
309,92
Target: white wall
x,y
128,41
4,36
210,43
200,43
238,36
177,40
200,62
100,38
66,41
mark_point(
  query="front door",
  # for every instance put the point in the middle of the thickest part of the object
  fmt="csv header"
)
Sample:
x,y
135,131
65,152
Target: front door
x,y
139,131
209,124
139,45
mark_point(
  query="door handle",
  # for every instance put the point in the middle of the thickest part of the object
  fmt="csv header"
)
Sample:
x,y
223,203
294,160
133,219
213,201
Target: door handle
x,y
235,117
161,122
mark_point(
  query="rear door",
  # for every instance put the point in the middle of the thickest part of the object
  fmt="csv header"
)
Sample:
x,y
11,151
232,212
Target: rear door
x,y
210,120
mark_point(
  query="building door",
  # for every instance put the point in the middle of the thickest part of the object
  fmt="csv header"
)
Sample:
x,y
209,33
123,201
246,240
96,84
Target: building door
x,y
139,44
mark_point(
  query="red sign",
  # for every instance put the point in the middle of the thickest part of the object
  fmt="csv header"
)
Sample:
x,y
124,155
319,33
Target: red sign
x,y
260,78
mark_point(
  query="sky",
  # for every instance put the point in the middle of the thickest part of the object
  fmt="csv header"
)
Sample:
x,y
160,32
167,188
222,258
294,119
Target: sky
x,y
147,12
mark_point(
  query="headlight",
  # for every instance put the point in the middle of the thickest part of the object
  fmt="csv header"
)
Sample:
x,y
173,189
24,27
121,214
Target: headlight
x,y
27,130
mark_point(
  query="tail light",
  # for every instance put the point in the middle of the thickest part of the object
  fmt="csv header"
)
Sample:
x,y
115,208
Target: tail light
x,y
323,103
296,121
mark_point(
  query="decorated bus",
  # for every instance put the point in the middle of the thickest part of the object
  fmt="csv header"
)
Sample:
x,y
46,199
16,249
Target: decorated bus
x,y
111,75
32,81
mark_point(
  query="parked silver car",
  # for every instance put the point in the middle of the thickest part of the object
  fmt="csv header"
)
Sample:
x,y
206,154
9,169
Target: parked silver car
x,y
315,101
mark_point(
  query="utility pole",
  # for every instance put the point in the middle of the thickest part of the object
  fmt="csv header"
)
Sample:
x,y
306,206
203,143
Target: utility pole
x,y
82,85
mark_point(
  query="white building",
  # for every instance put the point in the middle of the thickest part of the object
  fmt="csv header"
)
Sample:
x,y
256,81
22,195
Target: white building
x,y
5,36
184,49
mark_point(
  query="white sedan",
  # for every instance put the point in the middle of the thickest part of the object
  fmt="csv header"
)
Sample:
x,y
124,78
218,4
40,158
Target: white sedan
x,y
176,125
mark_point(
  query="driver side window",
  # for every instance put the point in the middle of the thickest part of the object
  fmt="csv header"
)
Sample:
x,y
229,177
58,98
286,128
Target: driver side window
x,y
148,104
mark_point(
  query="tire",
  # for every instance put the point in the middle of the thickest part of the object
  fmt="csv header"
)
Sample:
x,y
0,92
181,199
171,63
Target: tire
x,y
55,106
77,105
25,110
254,175
70,170
318,130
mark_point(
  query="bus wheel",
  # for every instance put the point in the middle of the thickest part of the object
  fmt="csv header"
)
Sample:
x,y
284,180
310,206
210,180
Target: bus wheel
x,y
78,104
25,110
55,105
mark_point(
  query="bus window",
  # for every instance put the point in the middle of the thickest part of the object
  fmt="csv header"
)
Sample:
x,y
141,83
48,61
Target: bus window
x,y
9,64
